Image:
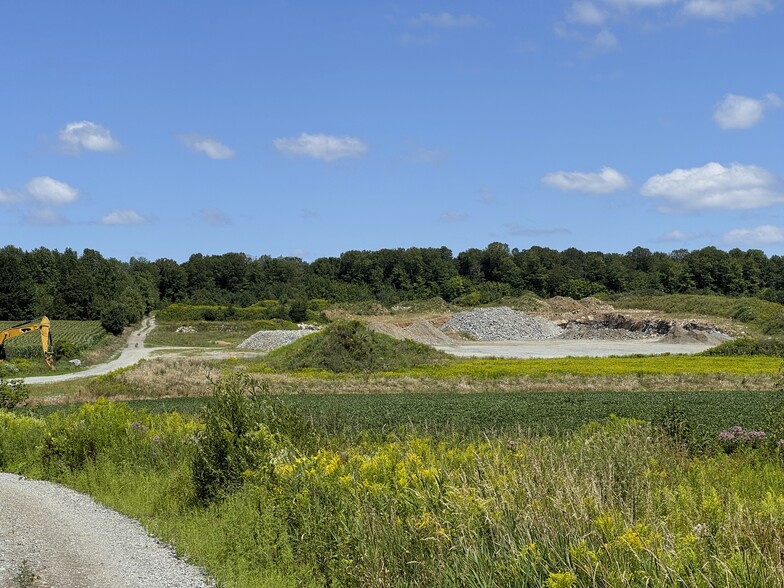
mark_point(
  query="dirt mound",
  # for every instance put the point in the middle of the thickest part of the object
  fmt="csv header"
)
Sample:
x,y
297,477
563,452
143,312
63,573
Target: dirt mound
x,y
420,331
388,329
424,332
681,334
565,305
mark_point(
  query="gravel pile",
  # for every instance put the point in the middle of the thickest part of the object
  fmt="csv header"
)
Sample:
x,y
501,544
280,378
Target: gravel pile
x,y
269,340
501,324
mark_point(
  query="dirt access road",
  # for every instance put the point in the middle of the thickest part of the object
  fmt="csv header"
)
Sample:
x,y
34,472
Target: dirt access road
x,y
64,539
132,353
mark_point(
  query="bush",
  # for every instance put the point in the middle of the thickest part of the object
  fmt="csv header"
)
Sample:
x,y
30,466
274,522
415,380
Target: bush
x,y
12,393
244,431
748,346
114,319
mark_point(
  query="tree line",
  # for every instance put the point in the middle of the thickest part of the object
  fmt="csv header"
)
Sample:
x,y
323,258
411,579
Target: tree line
x,y
66,285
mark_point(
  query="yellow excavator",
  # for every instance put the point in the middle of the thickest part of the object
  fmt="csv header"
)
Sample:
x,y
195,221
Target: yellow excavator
x,y
43,325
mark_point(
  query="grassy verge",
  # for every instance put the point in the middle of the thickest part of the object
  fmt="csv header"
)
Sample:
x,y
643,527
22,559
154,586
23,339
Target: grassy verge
x,y
611,503
205,333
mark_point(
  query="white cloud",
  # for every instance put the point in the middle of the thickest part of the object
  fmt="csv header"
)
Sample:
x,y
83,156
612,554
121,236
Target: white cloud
x,y
50,191
714,186
76,136
9,196
210,147
215,217
123,216
627,4
763,235
742,112
604,40
324,147
446,20
726,10
585,12
606,181
677,235
44,217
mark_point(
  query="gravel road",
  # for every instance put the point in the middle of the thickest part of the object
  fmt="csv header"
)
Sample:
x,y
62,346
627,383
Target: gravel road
x,y
131,354
69,541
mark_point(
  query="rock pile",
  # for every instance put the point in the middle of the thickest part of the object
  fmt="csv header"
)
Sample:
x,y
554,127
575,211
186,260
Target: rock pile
x,y
501,324
269,340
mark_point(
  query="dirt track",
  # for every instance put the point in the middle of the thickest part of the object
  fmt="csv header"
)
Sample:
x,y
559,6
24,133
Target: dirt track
x,y
567,348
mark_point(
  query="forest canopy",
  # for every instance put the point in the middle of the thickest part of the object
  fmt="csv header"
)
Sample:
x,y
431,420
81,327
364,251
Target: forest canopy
x,y
66,285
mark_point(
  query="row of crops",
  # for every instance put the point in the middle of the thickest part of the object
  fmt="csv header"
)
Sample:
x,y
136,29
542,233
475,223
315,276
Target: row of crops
x,y
71,336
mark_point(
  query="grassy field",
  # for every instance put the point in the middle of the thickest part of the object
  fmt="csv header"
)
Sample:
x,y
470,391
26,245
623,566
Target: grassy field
x,y
432,490
209,333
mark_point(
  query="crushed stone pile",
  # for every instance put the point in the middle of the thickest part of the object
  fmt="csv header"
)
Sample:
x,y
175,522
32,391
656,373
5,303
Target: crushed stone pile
x,y
388,329
501,324
269,340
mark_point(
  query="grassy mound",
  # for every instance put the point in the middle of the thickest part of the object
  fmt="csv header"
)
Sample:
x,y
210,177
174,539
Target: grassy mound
x,y
349,346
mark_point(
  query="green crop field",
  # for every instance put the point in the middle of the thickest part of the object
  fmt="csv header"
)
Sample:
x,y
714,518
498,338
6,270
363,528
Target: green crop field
x,y
82,335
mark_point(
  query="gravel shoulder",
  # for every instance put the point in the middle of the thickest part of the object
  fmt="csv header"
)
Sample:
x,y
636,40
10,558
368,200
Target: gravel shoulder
x,y
68,540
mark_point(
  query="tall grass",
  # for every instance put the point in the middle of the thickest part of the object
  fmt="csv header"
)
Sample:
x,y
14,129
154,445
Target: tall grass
x,y
615,503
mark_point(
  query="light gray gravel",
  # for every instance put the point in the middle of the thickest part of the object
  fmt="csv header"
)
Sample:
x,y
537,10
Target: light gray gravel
x,y
501,324
70,541
269,340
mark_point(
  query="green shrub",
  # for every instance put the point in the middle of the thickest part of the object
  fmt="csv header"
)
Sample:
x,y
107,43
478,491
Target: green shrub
x,y
244,431
748,346
12,393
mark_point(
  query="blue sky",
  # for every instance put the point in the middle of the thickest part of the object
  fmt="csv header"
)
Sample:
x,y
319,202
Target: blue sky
x,y
161,129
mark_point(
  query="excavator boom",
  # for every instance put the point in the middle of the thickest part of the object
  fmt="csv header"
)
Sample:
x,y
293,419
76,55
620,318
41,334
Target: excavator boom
x,y
42,325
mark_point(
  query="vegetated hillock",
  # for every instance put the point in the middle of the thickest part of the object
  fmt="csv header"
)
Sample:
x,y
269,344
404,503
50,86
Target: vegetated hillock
x,y
764,317
748,346
349,346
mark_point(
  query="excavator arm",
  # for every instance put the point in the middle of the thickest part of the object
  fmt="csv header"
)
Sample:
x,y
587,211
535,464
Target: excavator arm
x,y
42,325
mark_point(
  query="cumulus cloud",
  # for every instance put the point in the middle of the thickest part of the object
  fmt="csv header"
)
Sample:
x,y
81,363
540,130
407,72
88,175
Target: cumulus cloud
x,y
50,191
214,217
742,112
714,186
210,147
585,12
762,235
445,20
324,147
44,217
726,10
676,235
9,196
89,136
123,216
605,181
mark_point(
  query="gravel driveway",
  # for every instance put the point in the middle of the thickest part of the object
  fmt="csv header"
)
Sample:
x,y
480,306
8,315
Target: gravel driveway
x,y
69,541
